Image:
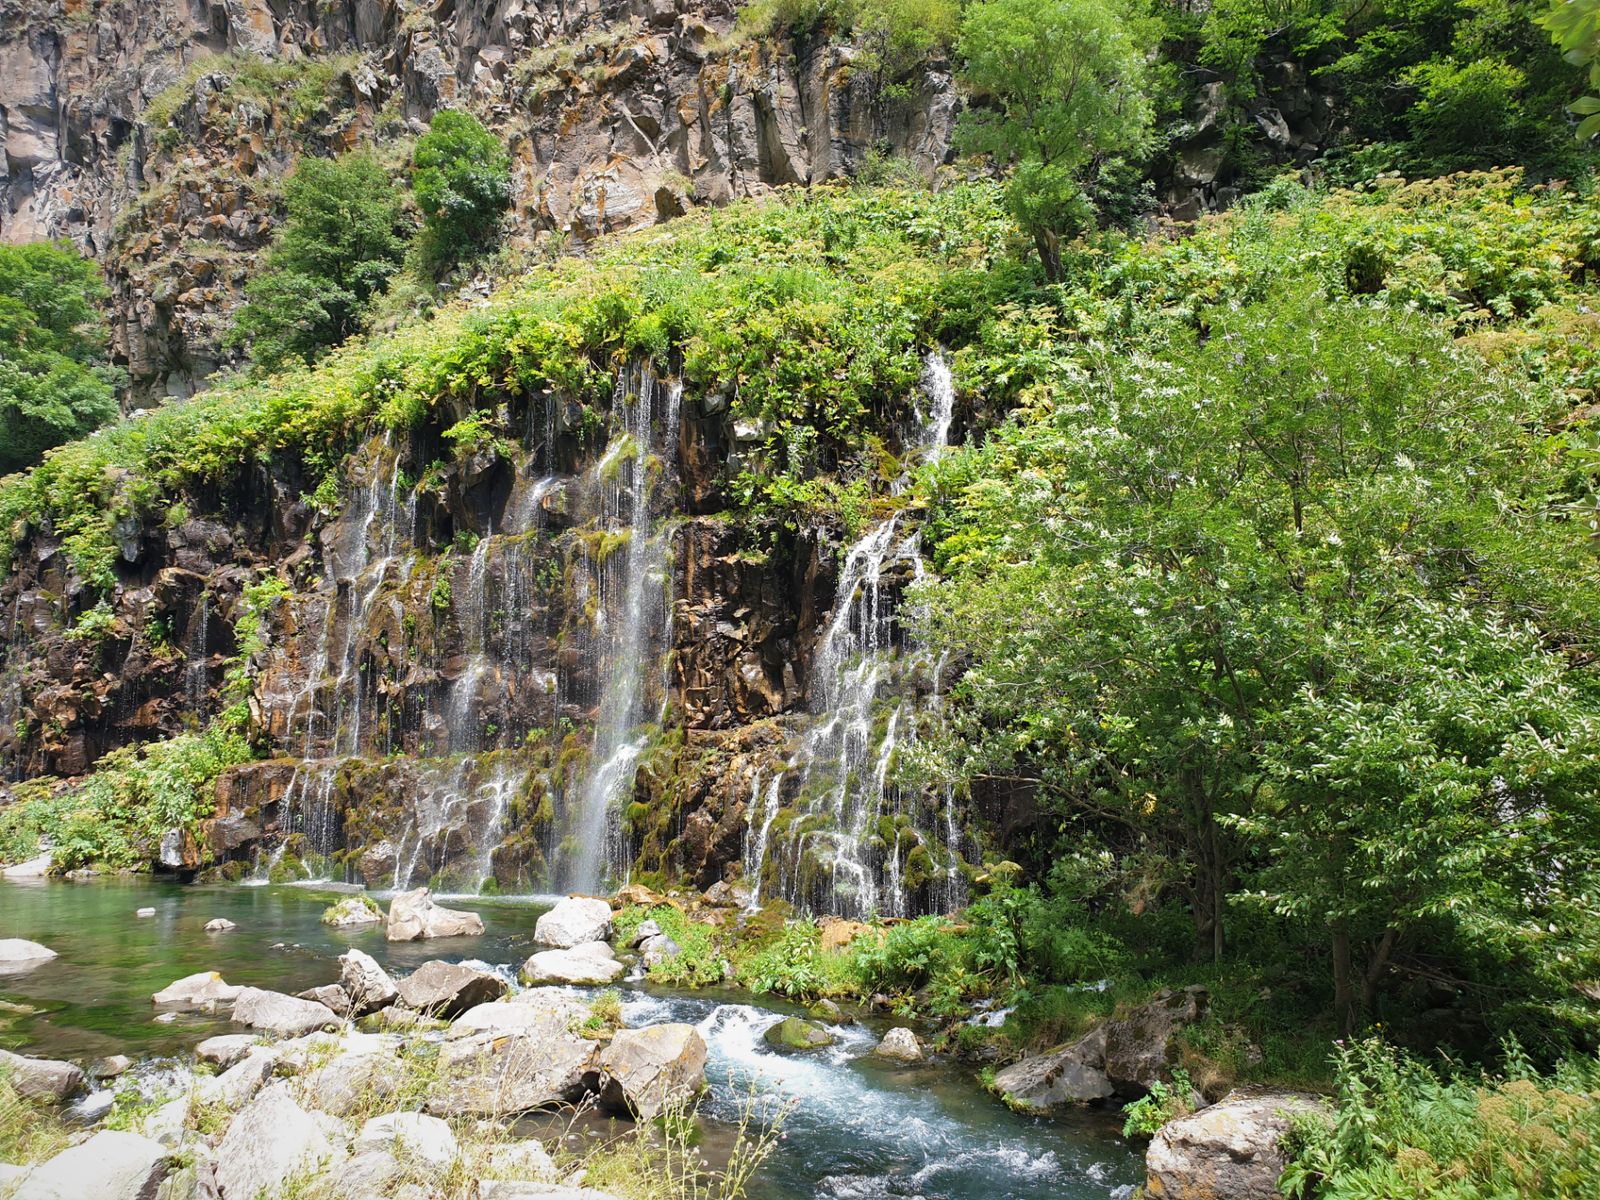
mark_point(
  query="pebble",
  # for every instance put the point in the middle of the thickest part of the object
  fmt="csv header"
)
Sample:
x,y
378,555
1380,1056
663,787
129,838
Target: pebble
x,y
145,912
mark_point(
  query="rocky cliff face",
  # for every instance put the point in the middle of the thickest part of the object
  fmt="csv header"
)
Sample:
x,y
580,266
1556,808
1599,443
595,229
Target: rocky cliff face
x,y
156,134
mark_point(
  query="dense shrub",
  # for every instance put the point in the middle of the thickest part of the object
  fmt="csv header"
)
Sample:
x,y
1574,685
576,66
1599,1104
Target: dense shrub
x,y
462,178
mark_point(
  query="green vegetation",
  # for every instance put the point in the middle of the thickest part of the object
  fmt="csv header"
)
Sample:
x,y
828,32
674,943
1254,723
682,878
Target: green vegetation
x,y
54,385
462,178
343,237
1164,1103
301,89
1403,1131
29,1132
117,816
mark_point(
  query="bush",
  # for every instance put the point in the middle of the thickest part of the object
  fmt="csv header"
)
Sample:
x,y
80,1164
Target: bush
x,y
1165,1103
462,177
53,383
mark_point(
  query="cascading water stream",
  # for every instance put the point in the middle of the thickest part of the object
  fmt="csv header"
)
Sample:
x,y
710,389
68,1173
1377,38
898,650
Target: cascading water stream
x,y
634,618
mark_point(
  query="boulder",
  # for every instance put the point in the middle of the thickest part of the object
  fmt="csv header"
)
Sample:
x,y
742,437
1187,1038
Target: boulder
x,y
111,1165
352,912
331,996
1069,1075
502,1071
646,1070
574,921
19,954
525,1160
645,931
110,1066
899,1045
225,1050
272,1139
34,868
352,1080
793,1033
446,989
367,984
205,991
501,1016
723,894
658,949
286,1016
517,1189
414,915
409,1136
1138,1047
580,967
1228,1151
633,895
238,1085
44,1079
219,925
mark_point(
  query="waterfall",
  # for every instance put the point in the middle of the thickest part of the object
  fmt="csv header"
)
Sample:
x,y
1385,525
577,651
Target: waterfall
x,y
847,848
633,619
196,682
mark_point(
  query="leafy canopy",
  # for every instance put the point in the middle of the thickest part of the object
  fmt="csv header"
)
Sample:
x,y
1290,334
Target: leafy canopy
x,y
462,177
53,385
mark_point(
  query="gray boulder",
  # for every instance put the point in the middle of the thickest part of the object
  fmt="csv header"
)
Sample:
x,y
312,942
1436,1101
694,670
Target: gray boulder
x,y
330,996
352,1080
204,991
645,931
899,1045
225,1050
33,868
19,954
414,1137
238,1085
502,1071
286,1016
589,964
272,1139
353,912
367,984
646,1070
444,989
220,925
1072,1075
574,921
1139,1049
112,1165
1227,1151
46,1080
659,949
414,915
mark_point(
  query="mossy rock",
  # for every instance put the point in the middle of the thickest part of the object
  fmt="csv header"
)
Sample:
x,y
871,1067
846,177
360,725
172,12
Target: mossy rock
x,y
794,1033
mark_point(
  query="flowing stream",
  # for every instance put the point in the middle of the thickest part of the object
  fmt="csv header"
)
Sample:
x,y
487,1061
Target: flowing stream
x,y
857,1129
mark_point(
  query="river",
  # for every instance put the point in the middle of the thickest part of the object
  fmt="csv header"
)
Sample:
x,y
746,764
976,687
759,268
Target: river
x,y
857,1129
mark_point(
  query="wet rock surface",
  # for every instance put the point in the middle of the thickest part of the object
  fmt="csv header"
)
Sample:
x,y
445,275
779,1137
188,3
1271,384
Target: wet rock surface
x,y
1226,1151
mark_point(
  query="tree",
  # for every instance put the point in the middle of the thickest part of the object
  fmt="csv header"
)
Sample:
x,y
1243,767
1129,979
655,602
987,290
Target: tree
x,y
343,238
1574,26
1289,607
462,177
1066,85
54,385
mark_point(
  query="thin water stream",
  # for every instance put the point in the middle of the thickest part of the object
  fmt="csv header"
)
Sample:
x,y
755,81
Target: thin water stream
x,y
858,1130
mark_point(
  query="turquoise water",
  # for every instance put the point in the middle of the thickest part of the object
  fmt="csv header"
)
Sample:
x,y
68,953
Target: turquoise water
x,y
858,1129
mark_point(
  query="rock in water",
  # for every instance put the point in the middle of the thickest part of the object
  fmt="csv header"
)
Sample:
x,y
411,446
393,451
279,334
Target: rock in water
x,y
144,912
110,1067
220,925
792,1033
112,1165
272,1139
353,911
286,1016
445,989
367,984
503,1071
34,868
205,991
646,1070
44,1079
592,963
1228,1151
899,1045
414,915
19,954
574,921
226,1049
1071,1075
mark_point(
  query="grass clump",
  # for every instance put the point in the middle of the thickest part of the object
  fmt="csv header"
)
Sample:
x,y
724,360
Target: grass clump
x,y
29,1132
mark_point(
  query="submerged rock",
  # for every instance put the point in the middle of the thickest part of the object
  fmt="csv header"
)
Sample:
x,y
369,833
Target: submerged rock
x,y
414,915
44,1079
367,984
144,912
111,1165
445,989
286,1016
899,1045
19,954
353,911
574,921
1227,1151
272,1139
220,925
589,964
793,1033
204,991
647,1070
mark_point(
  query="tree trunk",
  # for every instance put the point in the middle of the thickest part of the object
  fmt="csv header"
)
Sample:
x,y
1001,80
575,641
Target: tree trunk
x,y
1049,245
1344,998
